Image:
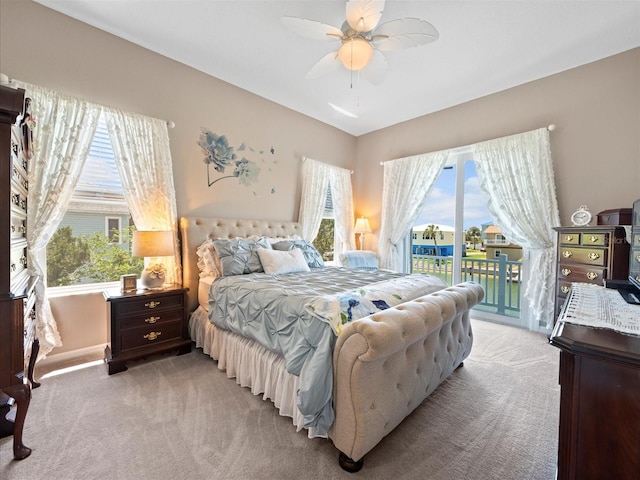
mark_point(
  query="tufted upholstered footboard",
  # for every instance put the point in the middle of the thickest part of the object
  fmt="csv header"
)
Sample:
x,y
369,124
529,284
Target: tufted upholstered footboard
x,y
386,364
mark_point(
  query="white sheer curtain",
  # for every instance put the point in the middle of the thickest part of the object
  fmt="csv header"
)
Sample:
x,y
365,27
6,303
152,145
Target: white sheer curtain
x,y
406,185
315,181
143,158
62,135
517,174
342,197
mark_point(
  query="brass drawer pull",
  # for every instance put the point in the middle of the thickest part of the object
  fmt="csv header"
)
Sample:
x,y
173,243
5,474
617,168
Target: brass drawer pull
x,y
593,256
152,336
638,258
594,238
568,238
151,319
566,254
566,272
565,289
13,228
592,275
152,304
13,267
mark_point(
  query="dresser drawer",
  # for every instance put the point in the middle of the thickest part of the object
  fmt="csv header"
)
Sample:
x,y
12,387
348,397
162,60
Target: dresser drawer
x,y
595,239
141,305
582,273
149,336
18,259
572,238
590,256
564,288
151,318
18,227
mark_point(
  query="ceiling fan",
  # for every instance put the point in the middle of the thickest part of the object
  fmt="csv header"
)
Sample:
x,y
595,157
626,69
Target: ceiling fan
x,y
362,39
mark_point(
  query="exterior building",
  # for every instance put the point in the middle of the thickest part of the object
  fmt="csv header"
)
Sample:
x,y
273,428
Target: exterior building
x,y
496,244
423,244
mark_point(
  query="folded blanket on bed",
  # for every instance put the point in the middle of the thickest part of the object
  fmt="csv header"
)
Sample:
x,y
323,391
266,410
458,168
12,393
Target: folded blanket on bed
x,y
340,309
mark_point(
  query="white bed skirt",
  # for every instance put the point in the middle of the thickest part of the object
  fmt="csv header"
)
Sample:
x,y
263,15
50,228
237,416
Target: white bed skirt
x,y
252,365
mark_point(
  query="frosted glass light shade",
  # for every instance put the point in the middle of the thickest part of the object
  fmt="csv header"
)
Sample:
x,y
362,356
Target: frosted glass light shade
x,y
152,243
355,53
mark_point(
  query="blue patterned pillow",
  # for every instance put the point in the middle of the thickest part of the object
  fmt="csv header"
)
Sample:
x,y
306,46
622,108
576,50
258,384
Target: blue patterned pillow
x,y
240,256
311,255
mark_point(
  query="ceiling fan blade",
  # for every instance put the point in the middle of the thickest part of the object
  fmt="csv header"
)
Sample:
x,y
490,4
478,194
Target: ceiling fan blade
x,y
404,33
376,70
312,29
327,64
364,15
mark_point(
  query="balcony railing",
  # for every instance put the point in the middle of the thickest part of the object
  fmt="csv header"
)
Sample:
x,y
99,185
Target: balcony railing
x,y
500,278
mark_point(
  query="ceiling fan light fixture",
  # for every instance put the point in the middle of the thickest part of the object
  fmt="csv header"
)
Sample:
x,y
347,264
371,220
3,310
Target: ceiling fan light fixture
x,y
355,53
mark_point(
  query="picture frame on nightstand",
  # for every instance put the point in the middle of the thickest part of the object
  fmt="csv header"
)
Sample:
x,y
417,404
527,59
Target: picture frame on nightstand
x,y
128,283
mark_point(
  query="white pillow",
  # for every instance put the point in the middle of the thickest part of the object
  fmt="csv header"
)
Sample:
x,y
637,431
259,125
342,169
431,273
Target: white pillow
x,y
278,261
208,260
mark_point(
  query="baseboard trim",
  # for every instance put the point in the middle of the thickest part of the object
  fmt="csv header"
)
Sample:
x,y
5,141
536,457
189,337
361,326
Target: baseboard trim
x,y
95,350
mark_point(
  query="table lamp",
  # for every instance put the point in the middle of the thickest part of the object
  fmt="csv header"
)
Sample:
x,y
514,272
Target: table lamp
x,y
362,227
152,244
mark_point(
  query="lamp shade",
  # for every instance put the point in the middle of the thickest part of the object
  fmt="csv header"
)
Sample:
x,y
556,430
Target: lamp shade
x,y
355,53
152,243
362,226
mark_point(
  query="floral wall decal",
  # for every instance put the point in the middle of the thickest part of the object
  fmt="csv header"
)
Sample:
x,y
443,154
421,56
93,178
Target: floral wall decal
x,y
220,155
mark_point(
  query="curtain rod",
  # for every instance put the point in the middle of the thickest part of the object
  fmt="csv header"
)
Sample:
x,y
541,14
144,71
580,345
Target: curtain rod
x,y
7,81
551,127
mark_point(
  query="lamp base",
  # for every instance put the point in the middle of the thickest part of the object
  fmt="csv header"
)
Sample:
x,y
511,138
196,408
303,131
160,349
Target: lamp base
x,y
151,280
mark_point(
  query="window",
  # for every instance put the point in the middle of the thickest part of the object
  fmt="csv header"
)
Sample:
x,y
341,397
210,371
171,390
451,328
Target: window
x,y
91,244
112,227
325,240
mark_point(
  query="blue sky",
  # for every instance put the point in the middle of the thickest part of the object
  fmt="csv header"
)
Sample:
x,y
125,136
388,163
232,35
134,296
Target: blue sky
x,y
440,206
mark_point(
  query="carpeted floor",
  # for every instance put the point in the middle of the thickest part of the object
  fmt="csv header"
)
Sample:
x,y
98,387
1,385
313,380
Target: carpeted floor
x,y
181,418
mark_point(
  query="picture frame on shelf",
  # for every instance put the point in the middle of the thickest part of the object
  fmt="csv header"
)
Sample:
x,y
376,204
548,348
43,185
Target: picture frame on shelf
x,y
128,283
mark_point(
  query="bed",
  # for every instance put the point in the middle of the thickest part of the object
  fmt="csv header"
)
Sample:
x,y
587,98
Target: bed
x,y
380,366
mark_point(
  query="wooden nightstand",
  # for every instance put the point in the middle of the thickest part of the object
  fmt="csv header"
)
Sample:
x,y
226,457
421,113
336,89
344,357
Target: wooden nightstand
x,y
143,323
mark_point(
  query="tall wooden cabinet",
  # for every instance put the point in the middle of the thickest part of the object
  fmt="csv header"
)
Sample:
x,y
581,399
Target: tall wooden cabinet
x,y
590,255
18,343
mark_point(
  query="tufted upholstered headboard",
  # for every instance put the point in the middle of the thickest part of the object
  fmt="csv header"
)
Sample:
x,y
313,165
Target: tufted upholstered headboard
x,y
195,230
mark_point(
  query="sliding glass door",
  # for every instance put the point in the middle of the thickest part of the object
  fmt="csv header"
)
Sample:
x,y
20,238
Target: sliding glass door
x,y
455,239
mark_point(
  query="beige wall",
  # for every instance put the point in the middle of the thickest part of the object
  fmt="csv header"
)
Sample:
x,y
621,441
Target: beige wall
x,y
595,147
43,47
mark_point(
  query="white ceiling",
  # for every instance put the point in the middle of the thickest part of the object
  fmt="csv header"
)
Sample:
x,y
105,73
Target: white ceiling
x,y
484,47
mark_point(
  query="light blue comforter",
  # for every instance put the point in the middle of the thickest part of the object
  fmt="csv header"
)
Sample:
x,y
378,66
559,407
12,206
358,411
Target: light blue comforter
x,y
274,311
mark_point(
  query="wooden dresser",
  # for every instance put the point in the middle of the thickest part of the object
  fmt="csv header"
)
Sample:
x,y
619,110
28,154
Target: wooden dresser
x,y
634,258
145,322
599,431
589,255
18,343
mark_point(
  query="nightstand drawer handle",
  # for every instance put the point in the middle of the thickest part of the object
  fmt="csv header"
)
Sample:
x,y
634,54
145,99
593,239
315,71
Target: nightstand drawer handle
x,y
151,319
152,304
566,254
152,336
593,256
592,275
638,258
566,272
565,289
568,238
594,239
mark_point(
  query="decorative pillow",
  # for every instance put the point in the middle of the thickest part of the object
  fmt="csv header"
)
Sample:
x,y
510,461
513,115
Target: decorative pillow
x,y
239,256
359,259
208,260
311,255
275,261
